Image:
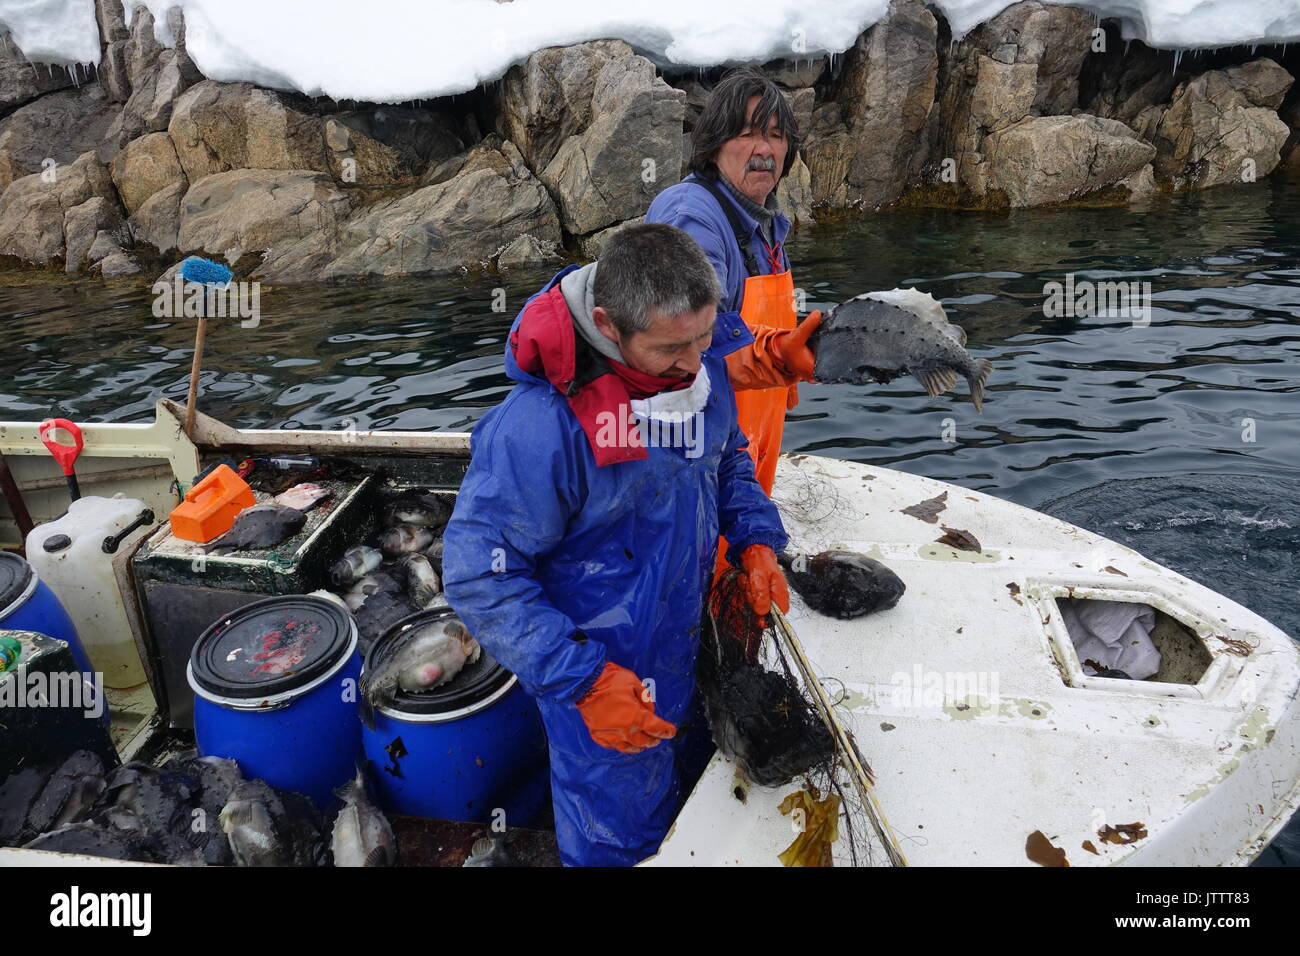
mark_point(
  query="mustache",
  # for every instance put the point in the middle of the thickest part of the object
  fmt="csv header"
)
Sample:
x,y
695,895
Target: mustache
x,y
761,164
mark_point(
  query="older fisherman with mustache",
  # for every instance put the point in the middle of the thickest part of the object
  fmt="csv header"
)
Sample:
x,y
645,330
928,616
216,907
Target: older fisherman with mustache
x,y
744,142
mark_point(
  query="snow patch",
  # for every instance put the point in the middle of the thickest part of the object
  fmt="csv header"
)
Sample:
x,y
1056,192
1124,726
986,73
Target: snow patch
x,y
395,50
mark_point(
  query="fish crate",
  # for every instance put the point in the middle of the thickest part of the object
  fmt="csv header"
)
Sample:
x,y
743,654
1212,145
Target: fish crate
x,y
182,589
294,566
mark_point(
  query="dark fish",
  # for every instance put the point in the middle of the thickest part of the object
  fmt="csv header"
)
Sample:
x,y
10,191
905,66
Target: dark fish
x,y
305,828
152,801
371,584
69,793
355,564
880,336
758,719
404,539
422,582
422,508
380,612
93,840
215,778
260,527
842,584
362,835
491,850
254,821
17,794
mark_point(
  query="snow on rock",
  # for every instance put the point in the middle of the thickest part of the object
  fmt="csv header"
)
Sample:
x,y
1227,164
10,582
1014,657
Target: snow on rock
x,y
396,50
1169,24
53,31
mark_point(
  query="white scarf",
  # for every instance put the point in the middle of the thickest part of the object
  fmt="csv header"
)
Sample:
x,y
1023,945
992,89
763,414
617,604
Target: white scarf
x,y
675,406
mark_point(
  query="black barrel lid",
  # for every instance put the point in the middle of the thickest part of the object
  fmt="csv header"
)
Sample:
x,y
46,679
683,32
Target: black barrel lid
x,y
15,576
271,646
476,682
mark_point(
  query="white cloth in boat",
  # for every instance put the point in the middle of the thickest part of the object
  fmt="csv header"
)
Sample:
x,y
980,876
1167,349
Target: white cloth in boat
x,y
1115,634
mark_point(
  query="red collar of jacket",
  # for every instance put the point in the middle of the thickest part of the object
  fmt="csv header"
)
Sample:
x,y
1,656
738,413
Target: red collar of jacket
x,y
545,343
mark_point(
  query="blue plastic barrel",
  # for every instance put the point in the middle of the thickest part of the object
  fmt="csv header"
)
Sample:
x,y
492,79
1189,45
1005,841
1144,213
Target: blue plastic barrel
x,y
461,751
275,690
27,604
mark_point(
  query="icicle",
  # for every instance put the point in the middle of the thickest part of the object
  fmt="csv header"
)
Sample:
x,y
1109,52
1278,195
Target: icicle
x,y
1178,55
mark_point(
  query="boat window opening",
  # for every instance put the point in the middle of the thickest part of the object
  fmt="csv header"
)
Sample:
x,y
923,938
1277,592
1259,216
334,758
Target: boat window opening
x,y
1129,640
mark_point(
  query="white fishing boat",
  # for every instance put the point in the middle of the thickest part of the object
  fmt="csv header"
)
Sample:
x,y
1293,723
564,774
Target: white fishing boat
x,y
984,734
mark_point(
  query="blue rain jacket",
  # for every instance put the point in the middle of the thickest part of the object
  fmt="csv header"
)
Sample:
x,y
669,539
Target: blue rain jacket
x,y
694,210
557,565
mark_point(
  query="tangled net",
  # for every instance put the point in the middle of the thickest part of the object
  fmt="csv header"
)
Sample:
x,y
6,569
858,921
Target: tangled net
x,y
758,713
763,716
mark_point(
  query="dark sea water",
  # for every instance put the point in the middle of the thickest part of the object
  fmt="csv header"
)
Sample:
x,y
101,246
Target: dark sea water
x,y
1179,437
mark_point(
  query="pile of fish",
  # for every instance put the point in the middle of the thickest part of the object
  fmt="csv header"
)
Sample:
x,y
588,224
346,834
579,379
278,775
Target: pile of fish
x,y
880,336
191,811
400,572
268,524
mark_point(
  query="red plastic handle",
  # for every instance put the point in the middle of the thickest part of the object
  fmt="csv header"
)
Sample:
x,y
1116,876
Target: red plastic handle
x,y
65,455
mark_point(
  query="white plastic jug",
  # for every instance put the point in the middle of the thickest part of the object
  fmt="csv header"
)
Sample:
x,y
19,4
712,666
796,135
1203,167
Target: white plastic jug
x,y
71,554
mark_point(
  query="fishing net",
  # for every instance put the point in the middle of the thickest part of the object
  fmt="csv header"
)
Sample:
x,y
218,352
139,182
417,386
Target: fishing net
x,y
765,717
759,716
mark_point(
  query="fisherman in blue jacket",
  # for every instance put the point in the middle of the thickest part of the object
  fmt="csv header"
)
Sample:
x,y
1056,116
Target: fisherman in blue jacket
x,y
584,536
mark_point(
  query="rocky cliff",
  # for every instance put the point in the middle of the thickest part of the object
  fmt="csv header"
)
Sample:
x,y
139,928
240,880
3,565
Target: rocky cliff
x,y
150,161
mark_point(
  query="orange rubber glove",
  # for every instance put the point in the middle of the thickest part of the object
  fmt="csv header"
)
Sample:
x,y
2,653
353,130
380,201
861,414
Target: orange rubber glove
x,y
791,347
618,714
777,359
764,582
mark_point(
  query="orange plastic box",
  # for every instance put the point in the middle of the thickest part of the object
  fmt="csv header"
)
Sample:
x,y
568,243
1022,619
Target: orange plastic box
x,y
210,507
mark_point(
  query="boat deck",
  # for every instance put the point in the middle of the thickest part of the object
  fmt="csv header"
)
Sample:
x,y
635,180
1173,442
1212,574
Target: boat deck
x,y
969,702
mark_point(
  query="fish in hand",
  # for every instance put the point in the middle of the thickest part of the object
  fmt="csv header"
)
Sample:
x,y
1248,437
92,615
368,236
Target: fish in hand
x,y
881,336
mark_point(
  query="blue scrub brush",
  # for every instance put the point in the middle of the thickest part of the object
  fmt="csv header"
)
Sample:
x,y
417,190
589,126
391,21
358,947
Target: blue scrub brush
x,y
209,273
204,271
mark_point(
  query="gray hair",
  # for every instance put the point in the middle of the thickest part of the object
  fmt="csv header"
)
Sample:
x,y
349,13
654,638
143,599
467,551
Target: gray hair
x,y
652,267
724,118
